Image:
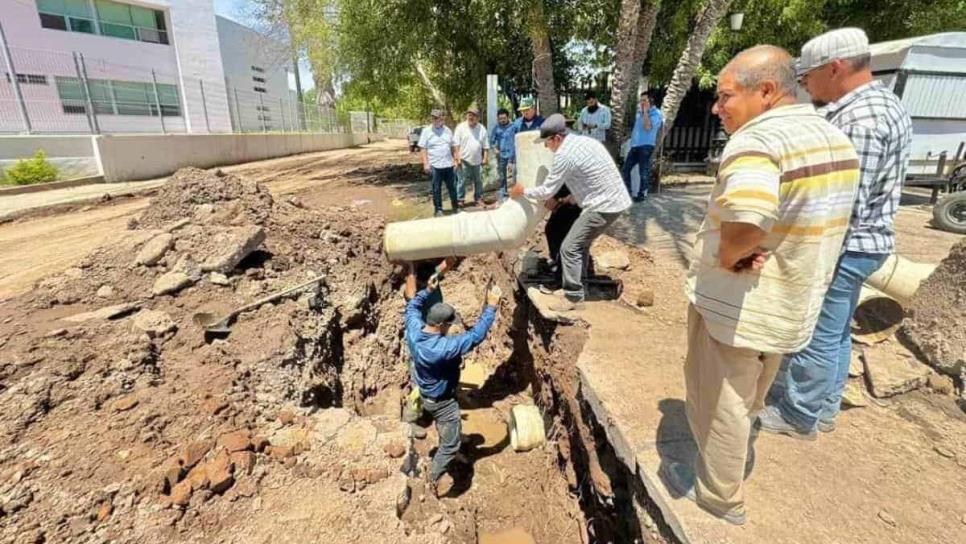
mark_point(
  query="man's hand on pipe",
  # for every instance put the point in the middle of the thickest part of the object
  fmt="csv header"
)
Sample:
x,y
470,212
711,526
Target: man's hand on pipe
x,y
517,191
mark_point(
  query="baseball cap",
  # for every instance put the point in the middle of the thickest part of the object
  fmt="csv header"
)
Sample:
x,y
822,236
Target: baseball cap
x,y
474,110
525,104
440,314
437,112
553,125
843,43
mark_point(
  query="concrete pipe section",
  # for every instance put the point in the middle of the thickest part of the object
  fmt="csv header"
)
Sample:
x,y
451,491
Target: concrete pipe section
x,y
884,297
465,234
526,428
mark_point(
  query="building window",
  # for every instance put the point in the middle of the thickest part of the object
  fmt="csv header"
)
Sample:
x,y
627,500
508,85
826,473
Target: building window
x,y
118,97
28,79
260,90
258,79
108,19
258,69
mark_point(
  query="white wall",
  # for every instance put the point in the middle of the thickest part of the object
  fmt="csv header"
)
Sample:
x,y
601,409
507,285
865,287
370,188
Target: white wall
x,y
242,48
192,56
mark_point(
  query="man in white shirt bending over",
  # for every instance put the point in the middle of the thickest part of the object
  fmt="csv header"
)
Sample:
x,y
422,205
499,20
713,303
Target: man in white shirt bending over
x,y
596,185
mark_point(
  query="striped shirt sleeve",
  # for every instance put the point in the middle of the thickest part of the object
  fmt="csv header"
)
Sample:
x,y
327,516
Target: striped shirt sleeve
x,y
751,177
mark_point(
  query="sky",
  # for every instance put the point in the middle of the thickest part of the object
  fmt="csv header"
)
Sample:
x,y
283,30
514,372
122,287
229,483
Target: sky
x,y
240,11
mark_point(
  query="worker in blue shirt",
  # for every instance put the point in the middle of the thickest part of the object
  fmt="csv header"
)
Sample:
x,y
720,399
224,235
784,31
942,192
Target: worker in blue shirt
x,y
528,120
647,125
501,139
435,368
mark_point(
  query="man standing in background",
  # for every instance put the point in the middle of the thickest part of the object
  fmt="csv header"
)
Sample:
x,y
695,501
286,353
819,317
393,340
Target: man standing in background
x,y
647,125
501,139
472,152
834,69
438,154
594,119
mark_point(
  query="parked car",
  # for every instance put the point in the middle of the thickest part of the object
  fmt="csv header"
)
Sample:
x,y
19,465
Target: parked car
x,y
414,138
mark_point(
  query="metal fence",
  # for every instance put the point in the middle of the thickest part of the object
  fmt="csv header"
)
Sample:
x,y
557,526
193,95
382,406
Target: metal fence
x,y
67,93
395,128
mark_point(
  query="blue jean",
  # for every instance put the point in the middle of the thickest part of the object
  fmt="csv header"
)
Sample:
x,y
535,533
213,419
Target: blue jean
x,y
810,383
641,157
446,414
441,176
469,174
501,166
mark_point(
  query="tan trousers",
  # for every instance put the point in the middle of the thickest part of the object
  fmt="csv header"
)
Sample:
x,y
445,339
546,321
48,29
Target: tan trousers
x,y
726,387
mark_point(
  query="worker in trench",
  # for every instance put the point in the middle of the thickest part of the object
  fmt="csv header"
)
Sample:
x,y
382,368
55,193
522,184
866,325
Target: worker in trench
x,y
587,169
437,359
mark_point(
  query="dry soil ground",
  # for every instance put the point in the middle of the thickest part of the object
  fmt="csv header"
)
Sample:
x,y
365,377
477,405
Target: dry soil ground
x,y
892,474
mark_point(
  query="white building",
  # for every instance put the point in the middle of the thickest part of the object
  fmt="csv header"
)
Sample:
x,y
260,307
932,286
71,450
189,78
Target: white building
x,y
135,66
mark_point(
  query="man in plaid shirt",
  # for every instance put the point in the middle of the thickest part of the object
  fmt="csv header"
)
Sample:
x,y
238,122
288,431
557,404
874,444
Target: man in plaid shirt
x,y
834,69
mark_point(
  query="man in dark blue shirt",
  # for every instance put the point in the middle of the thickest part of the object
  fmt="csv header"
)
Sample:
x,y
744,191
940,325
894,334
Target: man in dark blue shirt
x,y
435,368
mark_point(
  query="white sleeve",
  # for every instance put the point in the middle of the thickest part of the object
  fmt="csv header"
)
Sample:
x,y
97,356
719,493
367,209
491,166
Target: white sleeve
x,y
604,118
423,138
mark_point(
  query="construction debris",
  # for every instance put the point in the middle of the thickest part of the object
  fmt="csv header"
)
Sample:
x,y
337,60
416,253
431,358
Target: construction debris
x,y
891,370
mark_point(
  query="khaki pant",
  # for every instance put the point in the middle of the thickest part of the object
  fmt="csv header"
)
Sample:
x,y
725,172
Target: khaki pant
x,y
726,387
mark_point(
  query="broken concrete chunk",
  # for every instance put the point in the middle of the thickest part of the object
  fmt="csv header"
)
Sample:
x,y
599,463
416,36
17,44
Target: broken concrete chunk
x,y
614,260
172,282
218,278
235,245
106,312
891,374
154,249
154,323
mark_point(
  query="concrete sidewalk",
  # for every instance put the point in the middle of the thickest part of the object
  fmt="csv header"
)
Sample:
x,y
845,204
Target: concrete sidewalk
x,y
17,205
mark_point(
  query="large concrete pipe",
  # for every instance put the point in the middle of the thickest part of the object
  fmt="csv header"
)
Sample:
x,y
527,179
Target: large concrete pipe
x,y
884,296
470,233
899,278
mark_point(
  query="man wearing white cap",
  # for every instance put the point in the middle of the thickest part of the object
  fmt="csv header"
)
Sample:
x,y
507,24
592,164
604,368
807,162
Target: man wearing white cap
x,y
835,70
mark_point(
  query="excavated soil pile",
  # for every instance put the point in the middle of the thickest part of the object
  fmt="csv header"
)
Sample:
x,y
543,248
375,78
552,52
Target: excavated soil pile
x,y
936,324
120,420
113,402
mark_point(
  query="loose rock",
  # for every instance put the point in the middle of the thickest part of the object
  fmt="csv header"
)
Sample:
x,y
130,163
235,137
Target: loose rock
x,y
171,282
125,403
235,441
154,249
233,246
154,323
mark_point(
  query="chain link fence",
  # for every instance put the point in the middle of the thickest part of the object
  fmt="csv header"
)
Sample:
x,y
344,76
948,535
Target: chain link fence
x,y
395,128
50,92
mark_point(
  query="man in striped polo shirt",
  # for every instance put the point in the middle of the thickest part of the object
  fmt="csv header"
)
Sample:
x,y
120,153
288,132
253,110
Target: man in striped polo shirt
x,y
762,260
834,69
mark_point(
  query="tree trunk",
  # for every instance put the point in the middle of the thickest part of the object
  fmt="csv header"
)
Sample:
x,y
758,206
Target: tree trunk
x,y
542,59
690,59
621,102
434,91
646,23
627,30
687,66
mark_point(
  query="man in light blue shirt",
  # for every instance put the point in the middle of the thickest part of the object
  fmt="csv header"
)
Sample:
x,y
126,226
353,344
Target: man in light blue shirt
x,y
501,139
647,125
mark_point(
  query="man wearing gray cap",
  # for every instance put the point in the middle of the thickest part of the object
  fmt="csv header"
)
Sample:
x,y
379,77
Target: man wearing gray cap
x,y
835,70
435,368
472,150
596,185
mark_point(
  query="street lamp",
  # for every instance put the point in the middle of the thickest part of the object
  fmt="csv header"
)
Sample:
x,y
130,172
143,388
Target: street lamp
x,y
736,20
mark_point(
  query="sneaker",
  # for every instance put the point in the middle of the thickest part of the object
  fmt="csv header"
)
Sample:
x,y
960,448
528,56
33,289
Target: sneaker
x,y
826,425
679,480
550,290
564,304
770,420
438,213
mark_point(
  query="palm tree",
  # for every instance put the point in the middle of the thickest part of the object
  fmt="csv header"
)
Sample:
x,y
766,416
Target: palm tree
x,y
627,29
633,41
542,58
687,66
690,59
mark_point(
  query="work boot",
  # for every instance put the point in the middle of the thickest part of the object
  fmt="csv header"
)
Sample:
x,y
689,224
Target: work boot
x,y
770,420
679,479
826,425
564,304
551,290
443,485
